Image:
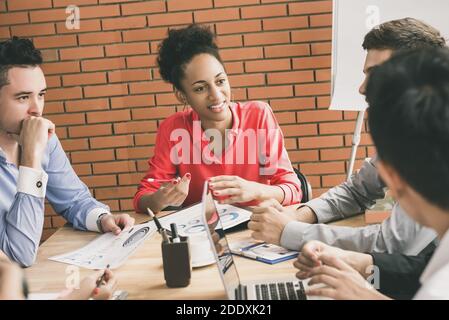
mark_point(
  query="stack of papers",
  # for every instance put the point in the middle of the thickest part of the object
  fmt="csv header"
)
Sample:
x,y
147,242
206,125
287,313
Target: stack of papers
x,y
262,251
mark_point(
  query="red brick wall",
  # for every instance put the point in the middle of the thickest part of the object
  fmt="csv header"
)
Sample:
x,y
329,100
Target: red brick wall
x,y
107,99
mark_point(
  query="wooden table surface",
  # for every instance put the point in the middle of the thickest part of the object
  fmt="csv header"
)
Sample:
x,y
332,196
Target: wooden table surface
x,y
142,274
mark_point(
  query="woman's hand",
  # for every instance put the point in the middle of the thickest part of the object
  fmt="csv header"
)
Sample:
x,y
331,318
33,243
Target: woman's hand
x,y
174,193
232,189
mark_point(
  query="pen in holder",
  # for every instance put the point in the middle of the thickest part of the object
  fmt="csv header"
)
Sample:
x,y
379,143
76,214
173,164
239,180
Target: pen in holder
x,y
175,255
176,260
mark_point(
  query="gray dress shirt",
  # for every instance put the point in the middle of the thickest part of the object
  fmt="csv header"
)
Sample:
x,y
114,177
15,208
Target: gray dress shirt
x,y
397,234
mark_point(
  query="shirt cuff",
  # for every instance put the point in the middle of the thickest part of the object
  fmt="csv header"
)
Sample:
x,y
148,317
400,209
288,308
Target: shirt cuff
x,y
292,236
32,181
322,210
92,217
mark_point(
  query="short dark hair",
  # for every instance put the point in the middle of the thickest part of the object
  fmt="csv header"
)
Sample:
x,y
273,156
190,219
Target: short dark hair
x,y
403,34
409,119
180,47
17,52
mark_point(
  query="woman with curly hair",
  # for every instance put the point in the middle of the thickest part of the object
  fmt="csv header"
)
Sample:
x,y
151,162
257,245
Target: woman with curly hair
x,y
237,146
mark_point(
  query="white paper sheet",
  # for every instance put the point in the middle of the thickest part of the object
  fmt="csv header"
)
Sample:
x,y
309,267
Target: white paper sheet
x,y
189,220
108,248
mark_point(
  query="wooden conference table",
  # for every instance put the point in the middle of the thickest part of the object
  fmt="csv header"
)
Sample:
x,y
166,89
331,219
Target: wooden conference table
x,y
142,275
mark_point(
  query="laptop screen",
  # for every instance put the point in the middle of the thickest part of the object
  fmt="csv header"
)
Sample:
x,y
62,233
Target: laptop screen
x,y
219,243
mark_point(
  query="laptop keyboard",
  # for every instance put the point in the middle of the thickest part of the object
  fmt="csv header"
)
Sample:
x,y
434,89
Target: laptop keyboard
x,y
241,292
274,291
281,291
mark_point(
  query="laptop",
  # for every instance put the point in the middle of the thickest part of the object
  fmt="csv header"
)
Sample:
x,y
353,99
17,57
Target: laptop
x,y
289,288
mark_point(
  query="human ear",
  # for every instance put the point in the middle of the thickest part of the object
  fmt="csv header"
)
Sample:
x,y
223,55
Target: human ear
x,y
392,179
180,96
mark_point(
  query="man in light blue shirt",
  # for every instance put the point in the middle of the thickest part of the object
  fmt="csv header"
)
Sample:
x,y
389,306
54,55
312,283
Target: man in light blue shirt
x,y
33,165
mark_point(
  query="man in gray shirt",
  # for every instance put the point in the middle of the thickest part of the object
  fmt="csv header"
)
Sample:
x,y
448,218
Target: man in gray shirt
x,y
293,227
399,233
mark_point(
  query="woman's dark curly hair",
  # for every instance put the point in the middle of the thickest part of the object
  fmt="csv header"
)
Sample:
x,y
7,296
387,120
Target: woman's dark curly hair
x,y
179,48
17,52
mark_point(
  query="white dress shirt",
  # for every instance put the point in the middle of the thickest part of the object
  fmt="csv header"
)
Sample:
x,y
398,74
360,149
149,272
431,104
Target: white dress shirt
x,y
435,278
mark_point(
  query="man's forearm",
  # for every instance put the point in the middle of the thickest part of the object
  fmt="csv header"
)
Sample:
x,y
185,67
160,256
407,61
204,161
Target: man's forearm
x,y
362,239
31,161
303,214
21,236
351,197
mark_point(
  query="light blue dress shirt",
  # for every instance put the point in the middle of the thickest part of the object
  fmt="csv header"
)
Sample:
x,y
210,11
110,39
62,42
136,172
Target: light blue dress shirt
x,y
22,194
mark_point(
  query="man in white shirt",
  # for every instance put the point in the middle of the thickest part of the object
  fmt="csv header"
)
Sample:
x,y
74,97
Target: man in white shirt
x,y
412,144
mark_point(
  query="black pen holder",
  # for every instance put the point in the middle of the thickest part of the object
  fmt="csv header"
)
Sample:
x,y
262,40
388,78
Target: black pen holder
x,y
176,261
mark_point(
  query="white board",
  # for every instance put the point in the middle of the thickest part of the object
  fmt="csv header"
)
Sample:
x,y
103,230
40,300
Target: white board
x,y
352,19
